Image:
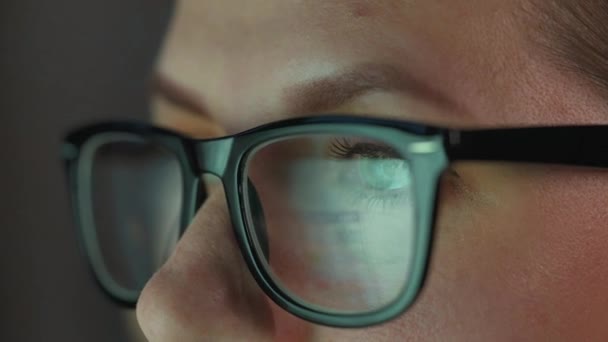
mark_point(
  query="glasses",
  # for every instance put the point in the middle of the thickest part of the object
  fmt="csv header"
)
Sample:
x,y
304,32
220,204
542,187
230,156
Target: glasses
x,y
334,215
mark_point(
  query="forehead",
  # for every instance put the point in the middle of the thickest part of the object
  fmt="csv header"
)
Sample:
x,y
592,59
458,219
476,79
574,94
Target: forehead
x,y
241,30
248,51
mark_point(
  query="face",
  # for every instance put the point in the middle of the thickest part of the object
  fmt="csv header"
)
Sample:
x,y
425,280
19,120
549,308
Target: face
x,y
519,252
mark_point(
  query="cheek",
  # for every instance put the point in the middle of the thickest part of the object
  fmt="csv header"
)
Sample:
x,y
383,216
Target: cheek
x,y
572,216
518,253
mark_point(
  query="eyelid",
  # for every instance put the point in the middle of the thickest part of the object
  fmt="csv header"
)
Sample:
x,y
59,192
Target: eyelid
x,y
347,149
375,150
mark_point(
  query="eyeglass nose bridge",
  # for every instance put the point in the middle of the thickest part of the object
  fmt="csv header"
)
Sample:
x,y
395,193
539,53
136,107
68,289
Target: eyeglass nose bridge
x,y
213,158
212,155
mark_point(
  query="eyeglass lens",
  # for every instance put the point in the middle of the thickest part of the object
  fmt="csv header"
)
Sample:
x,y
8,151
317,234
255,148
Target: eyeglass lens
x,y
333,218
136,197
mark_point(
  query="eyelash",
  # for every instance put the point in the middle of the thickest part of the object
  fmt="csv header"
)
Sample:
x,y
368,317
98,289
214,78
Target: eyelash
x,y
344,148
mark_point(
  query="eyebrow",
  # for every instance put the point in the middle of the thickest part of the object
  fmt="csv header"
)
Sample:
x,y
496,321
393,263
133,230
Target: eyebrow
x,y
338,89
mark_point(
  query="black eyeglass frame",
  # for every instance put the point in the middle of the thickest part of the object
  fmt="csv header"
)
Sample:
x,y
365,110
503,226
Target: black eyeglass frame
x,y
430,150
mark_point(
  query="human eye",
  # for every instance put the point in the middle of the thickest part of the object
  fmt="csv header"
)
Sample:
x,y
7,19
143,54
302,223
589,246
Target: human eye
x,y
372,171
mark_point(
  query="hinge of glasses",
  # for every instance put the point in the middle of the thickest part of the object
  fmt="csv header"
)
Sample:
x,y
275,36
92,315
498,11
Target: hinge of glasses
x,y
454,138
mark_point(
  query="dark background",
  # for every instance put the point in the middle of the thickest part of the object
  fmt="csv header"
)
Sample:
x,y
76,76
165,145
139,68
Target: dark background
x,y
63,63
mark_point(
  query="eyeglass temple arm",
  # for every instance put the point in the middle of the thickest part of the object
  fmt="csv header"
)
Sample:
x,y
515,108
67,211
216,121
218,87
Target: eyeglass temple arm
x,y
570,145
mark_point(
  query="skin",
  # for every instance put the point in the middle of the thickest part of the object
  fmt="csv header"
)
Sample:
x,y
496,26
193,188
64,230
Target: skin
x,y
520,250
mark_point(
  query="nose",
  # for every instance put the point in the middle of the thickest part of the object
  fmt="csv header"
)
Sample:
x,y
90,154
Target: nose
x,y
205,292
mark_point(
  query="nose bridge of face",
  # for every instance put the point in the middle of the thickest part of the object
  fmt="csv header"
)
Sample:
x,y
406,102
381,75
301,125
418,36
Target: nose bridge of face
x,y
212,155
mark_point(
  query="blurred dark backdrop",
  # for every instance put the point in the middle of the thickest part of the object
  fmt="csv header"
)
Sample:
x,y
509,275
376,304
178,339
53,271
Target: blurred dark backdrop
x,y
63,63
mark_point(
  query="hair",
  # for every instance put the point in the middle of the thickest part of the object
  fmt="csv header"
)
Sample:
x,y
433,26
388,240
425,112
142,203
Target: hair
x,y
574,34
